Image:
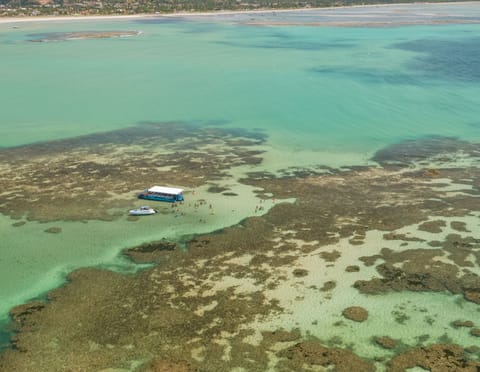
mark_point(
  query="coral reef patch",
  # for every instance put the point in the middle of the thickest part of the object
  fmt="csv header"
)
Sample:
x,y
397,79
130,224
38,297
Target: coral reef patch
x,y
355,313
95,176
210,306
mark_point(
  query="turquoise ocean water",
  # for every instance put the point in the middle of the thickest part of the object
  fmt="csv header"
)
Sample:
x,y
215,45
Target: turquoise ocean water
x,y
322,90
361,87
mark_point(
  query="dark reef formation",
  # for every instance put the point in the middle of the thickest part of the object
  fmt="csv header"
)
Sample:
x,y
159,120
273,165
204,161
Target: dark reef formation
x,y
355,313
90,177
434,358
199,309
386,342
314,354
419,271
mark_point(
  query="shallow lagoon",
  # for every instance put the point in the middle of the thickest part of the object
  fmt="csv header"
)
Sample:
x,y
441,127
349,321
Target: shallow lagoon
x,y
323,96
360,87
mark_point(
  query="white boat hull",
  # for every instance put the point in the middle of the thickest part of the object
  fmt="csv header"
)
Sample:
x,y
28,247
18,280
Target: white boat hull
x,y
143,211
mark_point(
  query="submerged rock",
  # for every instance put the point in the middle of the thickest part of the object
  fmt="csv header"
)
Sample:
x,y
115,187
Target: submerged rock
x,y
299,273
150,252
432,173
352,269
472,349
461,323
473,295
53,230
230,194
328,286
330,256
217,189
459,226
161,245
439,357
312,353
355,313
386,342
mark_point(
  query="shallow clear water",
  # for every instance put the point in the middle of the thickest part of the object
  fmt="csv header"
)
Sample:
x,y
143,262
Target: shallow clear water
x,y
324,95
34,261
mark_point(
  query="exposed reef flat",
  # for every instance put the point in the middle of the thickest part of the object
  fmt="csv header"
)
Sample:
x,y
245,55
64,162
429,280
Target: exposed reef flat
x,y
92,177
421,270
80,35
434,358
269,293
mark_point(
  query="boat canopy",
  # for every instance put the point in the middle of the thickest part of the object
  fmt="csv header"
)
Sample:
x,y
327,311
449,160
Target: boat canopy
x,y
165,190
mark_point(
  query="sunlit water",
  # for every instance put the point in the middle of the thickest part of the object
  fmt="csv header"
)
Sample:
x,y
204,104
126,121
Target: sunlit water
x,y
324,95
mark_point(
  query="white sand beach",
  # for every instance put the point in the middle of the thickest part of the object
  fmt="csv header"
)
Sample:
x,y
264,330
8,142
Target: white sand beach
x,y
8,20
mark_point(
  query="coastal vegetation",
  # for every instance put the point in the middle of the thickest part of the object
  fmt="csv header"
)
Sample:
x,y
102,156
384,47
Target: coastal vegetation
x,y
9,8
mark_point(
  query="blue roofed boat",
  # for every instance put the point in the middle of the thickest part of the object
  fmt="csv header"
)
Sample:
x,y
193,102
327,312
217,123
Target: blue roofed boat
x,y
162,193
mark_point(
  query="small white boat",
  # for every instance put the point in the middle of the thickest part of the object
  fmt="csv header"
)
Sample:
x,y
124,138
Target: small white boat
x,y
142,211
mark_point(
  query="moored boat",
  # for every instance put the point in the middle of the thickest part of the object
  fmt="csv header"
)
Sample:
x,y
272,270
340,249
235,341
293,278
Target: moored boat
x,y
162,193
142,211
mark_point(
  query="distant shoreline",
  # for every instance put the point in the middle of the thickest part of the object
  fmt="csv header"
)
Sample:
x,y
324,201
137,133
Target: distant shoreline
x,y
7,20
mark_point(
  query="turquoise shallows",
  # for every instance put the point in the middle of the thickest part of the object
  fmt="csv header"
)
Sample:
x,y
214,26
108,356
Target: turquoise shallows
x,y
323,96
317,88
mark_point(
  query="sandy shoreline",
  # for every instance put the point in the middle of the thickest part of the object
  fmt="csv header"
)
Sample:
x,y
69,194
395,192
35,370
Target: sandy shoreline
x,y
8,20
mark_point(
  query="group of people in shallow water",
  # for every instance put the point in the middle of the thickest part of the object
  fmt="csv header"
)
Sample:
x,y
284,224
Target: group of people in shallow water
x,y
259,208
201,202
198,203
